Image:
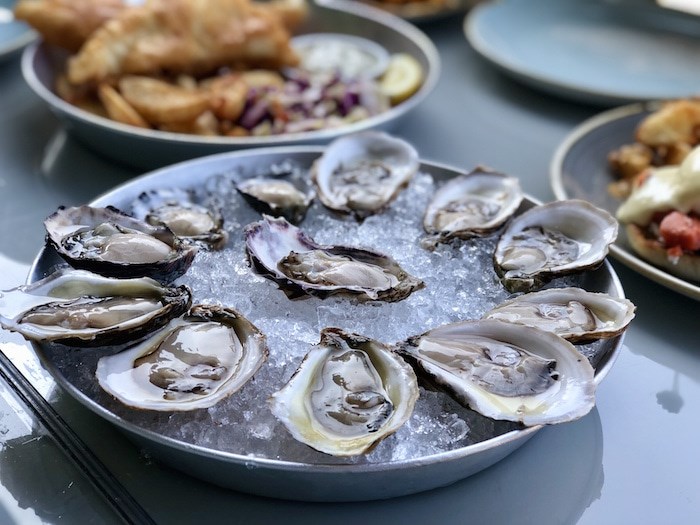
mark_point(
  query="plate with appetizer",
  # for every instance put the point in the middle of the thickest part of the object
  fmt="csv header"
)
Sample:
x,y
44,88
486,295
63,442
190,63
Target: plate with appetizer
x,y
137,86
623,52
250,317
641,162
14,34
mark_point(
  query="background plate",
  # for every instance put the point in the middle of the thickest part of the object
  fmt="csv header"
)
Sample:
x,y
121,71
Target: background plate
x,y
150,149
320,481
580,170
14,35
591,50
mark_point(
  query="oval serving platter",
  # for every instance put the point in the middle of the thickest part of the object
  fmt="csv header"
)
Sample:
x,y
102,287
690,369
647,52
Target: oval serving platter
x,y
323,479
150,149
579,169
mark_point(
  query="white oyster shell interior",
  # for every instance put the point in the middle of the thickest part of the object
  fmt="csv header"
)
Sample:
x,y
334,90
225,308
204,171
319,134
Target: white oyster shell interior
x,y
472,204
348,393
364,172
572,313
507,371
553,239
194,362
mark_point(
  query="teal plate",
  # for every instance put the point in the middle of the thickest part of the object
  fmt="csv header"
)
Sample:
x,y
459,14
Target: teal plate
x,y
14,35
594,51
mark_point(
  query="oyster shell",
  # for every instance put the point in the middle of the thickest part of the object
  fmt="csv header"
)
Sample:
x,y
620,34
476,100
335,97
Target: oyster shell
x,y
178,210
282,195
194,362
283,253
471,205
362,173
111,243
506,371
575,314
550,240
349,393
80,308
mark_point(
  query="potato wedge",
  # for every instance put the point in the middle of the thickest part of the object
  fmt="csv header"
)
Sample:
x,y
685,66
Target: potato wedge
x,y
119,109
161,102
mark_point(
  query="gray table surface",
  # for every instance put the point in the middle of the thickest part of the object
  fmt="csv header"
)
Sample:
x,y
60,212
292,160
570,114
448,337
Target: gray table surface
x,y
633,459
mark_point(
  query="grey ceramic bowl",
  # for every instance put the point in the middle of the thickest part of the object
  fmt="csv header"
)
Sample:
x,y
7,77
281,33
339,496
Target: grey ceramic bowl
x,y
147,149
283,478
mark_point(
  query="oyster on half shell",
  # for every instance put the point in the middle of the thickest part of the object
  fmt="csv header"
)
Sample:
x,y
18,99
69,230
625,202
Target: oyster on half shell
x,y
349,393
80,308
575,314
362,173
112,243
553,239
178,210
473,204
285,254
193,362
506,371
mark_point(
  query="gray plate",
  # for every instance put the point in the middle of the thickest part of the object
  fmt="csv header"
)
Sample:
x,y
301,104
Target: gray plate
x,y
14,34
295,480
421,11
148,149
595,51
579,169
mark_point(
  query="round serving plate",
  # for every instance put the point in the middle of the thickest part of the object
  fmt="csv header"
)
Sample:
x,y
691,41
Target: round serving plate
x,y
580,170
149,149
323,480
601,52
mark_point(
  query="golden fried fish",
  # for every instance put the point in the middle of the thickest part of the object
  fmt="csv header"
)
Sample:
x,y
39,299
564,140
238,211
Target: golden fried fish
x,y
67,23
184,36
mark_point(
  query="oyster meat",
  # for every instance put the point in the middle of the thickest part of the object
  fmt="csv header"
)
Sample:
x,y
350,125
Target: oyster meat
x,y
282,195
550,240
506,371
194,362
362,173
80,308
178,210
349,393
472,205
112,243
283,253
575,314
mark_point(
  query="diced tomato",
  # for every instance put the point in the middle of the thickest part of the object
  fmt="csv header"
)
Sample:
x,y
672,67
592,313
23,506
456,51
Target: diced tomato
x,y
680,230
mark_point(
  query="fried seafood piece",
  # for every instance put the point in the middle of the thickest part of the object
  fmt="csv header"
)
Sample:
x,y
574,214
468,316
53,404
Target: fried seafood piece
x,y
184,36
677,122
67,23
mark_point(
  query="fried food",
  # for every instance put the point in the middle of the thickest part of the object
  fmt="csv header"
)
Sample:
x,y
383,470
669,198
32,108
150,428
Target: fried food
x,y
67,23
184,36
161,102
664,138
119,109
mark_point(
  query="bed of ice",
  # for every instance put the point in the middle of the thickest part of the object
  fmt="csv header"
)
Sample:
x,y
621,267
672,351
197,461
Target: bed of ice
x,y
460,284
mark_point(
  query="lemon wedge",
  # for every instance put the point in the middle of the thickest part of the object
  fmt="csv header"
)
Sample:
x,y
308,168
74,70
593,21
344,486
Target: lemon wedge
x,y
402,78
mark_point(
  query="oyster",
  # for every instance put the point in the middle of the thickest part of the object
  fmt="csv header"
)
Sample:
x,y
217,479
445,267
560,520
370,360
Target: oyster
x,y
194,362
178,210
349,393
472,205
364,172
550,240
282,195
283,253
79,308
506,371
111,243
572,313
